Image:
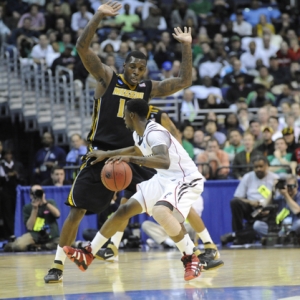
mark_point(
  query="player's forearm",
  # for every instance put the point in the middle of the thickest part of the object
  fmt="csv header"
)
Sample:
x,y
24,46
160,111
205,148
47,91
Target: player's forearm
x,y
155,162
86,37
186,65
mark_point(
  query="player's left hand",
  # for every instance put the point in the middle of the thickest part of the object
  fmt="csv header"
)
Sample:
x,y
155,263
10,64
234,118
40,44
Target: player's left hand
x,y
184,37
118,159
99,154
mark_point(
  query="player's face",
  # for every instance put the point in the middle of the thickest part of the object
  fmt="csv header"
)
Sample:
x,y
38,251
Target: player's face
x,y
128,120
134,70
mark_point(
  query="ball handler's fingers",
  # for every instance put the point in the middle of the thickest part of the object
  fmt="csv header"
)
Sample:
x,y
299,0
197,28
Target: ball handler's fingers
x,y
96,160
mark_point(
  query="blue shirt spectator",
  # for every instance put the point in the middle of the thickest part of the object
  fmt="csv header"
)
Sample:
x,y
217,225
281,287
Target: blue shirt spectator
x,y
77,151
252,15
47,157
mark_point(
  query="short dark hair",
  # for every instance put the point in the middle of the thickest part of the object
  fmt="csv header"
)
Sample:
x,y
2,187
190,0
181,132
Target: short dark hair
x,y
213,139
234,130
138,106
260,157
56,167
253,121
135,54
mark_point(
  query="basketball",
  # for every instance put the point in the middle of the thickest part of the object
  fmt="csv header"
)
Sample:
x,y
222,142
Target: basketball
x,y
116,176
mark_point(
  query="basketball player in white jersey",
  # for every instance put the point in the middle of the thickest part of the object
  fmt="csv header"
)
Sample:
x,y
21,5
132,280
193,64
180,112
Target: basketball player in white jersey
x,y
168,195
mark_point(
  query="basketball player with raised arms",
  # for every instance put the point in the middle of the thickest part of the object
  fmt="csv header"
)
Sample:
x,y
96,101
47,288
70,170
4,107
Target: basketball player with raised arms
x,y
210,258
168,195
107,129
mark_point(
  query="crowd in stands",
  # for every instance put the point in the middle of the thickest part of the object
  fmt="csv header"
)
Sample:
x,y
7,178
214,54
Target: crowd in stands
x,y
244,56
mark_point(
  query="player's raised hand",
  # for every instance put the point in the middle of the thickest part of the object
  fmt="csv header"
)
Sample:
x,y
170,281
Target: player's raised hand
x,y
110,9
184,37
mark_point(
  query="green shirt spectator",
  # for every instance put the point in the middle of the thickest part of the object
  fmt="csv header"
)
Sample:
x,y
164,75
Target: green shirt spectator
x,y
232,150
129,22
189,148
274,161
260,97
201,7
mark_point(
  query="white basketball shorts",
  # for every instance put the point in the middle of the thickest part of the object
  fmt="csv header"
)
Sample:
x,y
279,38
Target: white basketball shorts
x,y
181,193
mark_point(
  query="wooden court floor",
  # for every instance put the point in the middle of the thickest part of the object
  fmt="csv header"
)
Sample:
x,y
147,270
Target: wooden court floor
x,y
248,274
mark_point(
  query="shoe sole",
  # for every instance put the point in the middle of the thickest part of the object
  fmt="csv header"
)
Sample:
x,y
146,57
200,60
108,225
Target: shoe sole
x,y
191,277
111,259
214,268
54,281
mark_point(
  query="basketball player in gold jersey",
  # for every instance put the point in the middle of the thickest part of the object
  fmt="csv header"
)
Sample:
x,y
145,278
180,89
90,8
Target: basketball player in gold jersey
x,y
108,131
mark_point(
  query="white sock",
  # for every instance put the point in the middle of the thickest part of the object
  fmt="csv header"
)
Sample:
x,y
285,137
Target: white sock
x,y
116,238
98,241
205,236
186,245
60,254
169,242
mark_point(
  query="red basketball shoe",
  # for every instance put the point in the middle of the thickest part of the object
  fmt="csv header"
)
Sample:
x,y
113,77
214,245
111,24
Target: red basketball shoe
x,y
192,266
81,257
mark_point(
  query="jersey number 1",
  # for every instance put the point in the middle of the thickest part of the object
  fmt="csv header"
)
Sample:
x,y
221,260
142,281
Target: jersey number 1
x,y
121,108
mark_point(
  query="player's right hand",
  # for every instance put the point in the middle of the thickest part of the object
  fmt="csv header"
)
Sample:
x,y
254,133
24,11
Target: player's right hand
x,y
110,9
98,154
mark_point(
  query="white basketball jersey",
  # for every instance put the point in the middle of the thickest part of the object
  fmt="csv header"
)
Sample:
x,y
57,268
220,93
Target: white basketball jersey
x,y
181,164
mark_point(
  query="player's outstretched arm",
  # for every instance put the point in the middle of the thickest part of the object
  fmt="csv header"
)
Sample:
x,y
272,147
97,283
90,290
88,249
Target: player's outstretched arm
x,y
159,160
91,61
169,125
101,155
172,85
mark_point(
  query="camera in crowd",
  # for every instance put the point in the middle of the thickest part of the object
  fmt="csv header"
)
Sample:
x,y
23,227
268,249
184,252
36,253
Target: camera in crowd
x,y
280,185
37,194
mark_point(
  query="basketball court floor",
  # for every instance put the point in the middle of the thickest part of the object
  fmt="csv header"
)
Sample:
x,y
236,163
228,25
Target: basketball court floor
x,y
248,274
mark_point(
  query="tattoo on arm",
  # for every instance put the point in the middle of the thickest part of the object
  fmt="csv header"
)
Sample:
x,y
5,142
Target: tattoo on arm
x,y
90,60
86,37
170,86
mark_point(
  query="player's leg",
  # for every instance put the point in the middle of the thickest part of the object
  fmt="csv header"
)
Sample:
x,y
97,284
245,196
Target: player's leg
x,y
84,195
163,214
110,253
139,174
67,236
210,258
84,257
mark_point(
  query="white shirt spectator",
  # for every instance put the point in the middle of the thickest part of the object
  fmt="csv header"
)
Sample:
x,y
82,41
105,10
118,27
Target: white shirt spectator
x,y
246,41
40,53
210,69
78,21
115,43
265,54
242,29
202,92
248,60
190,109
51,57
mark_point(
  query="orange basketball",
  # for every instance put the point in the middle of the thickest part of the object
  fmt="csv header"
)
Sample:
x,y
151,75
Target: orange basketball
x,y
116,176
